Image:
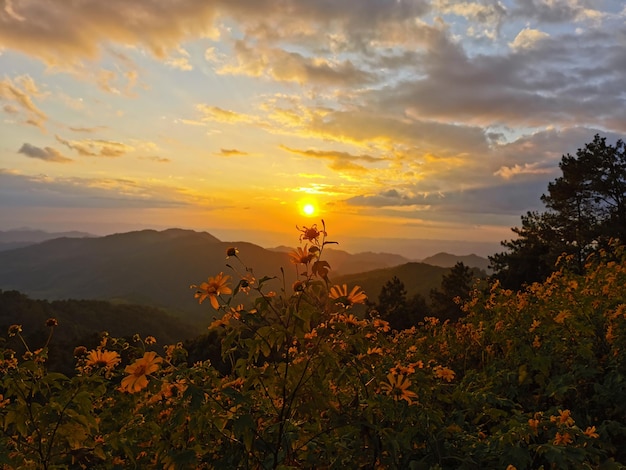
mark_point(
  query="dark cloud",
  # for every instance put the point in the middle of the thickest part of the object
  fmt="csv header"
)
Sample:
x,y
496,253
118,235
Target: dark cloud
x,y
48,154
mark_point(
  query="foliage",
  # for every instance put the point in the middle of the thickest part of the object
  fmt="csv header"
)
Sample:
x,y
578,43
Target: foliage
x,y
82,323
529,379
394,307
586,208
455,289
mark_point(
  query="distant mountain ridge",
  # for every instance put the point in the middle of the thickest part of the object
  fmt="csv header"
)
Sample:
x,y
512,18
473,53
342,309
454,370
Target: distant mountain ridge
x,y
343,263
20,237
156,268
447,260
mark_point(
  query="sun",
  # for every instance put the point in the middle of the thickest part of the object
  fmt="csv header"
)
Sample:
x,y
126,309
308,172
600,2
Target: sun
x,y
308,209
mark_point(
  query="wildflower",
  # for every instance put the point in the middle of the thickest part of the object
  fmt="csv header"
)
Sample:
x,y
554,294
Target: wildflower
x,y
312,334
562,316
311,234
15,329
591,432
138,372
376,350
150,340
246,283
232,251
80,351
610,334
301,255
102,358
4,402
397,387
349,320
534,326
382,325
298,286
52,322
511,467
341,295
537,342
224,321
211,289
444,373
564,417
562,439
534,424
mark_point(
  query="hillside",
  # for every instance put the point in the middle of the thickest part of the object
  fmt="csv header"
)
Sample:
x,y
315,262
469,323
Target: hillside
x,y
82,321
144,267
152,268
418,278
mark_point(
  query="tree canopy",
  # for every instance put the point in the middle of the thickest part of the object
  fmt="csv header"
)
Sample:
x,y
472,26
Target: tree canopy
x,y
585,210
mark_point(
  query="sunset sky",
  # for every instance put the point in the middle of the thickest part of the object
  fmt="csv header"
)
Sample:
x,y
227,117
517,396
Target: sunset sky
x,y
422,119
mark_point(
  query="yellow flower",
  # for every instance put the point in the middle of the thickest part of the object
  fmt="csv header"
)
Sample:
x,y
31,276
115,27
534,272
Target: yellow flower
x,y
562,316
5,401
341,295
301,255
534,325
15,329
537,342
212,288
564,417
311,234
138,372
562,439
534,424
444,373
397,387
102,358
381,325
591,432
376,350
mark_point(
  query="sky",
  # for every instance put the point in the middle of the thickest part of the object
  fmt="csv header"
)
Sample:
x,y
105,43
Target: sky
x,y
401,122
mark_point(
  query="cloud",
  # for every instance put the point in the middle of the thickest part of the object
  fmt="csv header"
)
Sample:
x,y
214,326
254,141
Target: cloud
x,y
284,66
550,11
96,148
87,130
508,172
232,153
490,15
528,38
20,93
340,161
48,154
215,113
18,191
156,158
62,33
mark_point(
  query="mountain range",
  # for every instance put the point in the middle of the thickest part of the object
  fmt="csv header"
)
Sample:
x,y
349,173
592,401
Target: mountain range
x,y
156,268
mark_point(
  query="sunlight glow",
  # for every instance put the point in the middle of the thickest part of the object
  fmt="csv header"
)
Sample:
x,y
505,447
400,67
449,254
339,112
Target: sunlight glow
x,y
308,209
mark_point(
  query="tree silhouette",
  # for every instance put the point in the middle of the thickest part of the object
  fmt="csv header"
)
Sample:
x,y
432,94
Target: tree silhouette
x,y
586,209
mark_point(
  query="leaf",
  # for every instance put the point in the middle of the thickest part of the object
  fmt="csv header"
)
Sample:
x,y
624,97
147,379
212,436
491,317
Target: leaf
x,y
321,268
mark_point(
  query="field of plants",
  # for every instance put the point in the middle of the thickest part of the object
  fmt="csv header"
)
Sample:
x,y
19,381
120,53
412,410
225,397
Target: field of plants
x,y
528,379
